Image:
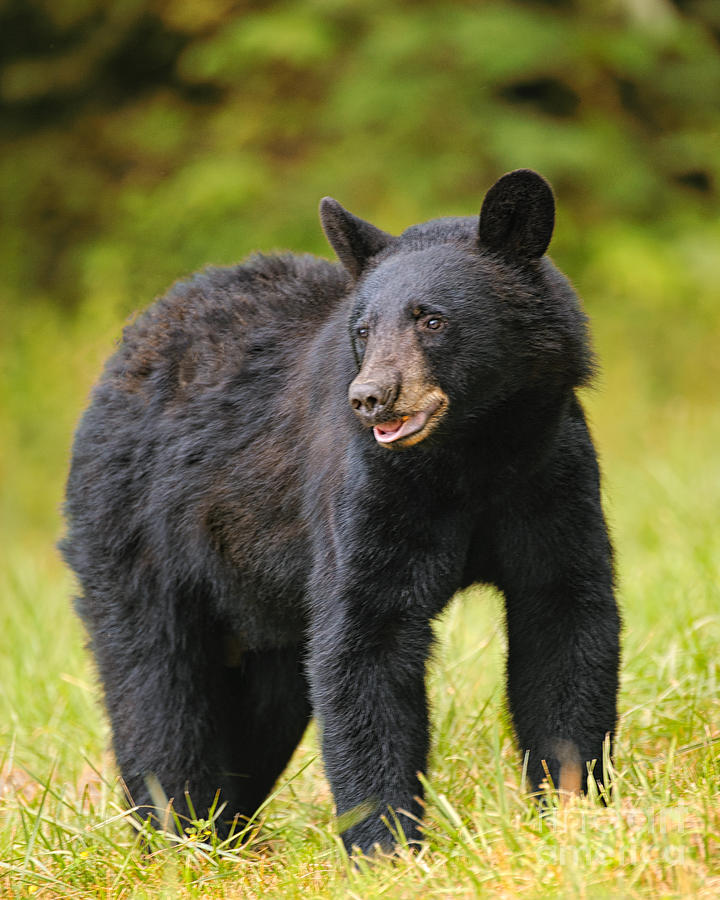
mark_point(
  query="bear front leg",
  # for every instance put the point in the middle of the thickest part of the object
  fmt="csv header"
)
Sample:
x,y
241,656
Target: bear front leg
x,y
562,681
563,624
368,690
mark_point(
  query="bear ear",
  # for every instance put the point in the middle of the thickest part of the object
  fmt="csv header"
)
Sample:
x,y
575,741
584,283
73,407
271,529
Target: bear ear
x,y
354,240
517,215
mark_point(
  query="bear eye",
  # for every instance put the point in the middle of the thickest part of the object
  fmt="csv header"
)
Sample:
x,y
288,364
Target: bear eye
x,y
434,323
362,332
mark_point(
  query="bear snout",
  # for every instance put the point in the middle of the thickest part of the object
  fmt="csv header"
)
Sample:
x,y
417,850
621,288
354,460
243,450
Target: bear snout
x,y
371,401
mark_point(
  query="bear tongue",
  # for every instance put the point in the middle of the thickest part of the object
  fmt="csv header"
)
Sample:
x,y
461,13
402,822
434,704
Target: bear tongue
x,y
391,431
387,430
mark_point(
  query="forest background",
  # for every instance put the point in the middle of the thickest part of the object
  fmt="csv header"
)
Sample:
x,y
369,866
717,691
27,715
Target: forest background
x,y
143,139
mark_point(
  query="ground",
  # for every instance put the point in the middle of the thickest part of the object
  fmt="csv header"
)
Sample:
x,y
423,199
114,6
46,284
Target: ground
x,y
62,832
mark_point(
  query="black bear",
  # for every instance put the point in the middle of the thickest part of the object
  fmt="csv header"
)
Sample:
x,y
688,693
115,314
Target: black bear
x,y
287,470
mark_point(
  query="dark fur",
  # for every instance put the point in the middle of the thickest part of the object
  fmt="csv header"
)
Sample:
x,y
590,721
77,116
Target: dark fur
x,y
248,553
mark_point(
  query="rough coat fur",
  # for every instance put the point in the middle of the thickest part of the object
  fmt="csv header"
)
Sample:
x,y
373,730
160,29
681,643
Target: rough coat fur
x,y
249,554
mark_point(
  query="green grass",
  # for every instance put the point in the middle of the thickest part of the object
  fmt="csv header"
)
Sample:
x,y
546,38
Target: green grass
x,y
65,833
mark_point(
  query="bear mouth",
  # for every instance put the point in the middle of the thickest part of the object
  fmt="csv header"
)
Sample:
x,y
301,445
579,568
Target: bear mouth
x,y
411,429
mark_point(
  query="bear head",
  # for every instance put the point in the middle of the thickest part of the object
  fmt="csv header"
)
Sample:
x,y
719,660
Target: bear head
x,y
453,316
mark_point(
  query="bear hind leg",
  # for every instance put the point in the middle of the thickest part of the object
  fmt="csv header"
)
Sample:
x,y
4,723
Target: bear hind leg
x,y
159,661
267,710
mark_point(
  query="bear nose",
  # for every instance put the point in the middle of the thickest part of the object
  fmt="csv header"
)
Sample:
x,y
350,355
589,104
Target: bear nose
x,y
368,398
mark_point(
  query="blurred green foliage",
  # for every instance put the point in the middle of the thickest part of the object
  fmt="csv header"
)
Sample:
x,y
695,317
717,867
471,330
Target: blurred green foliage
x,y
142,140
145,138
